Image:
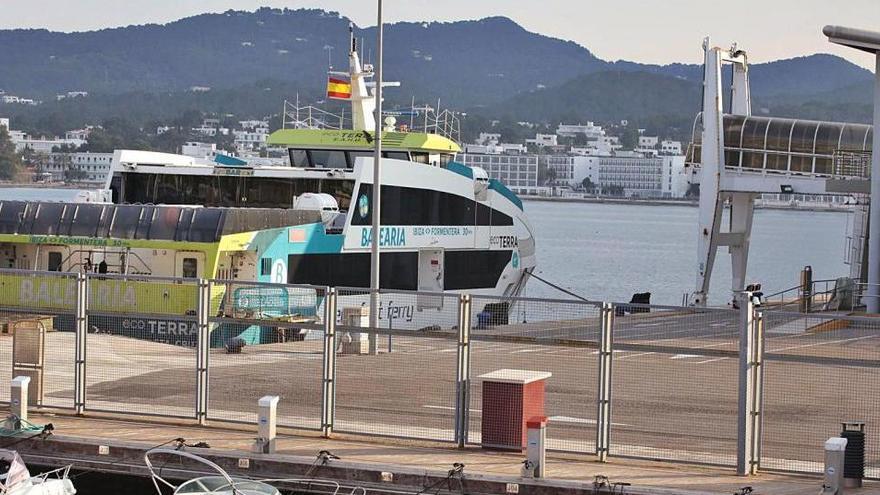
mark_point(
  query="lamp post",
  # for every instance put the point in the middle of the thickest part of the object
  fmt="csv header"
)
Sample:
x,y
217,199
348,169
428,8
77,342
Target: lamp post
x,y
868,41
377,190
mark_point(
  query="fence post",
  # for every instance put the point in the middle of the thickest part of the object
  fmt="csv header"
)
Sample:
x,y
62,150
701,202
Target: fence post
x,y
81,327
203,347
463,371
757,412
328,388
746,389
603,401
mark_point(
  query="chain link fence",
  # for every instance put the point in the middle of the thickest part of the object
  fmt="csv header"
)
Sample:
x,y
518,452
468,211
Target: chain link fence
x,y
675,383
536,336
820,371
626,379
266,339
141,339
399,381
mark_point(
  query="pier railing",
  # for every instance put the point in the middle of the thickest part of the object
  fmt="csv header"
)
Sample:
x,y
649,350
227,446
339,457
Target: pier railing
x,y
746,388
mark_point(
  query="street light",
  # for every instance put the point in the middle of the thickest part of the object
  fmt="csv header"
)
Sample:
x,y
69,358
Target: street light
x,y
377,190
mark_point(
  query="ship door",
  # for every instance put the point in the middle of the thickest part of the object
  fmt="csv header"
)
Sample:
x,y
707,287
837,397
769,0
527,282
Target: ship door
x,y
430,278
52,258
189,264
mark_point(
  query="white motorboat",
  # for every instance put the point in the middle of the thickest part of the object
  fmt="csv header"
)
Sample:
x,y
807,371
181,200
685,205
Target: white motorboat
x,y
15,479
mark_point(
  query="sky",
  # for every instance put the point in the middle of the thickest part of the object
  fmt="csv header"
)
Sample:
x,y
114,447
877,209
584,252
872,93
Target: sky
x,y
648,31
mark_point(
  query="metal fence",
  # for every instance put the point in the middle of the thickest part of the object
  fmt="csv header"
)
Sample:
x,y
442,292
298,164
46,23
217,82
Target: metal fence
x,y
745,388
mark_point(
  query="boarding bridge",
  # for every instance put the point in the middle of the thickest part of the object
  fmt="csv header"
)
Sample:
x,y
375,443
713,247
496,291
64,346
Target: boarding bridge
x,y
736,157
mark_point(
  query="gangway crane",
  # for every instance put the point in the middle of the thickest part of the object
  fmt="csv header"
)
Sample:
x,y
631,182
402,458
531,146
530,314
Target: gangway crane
x,y
738,156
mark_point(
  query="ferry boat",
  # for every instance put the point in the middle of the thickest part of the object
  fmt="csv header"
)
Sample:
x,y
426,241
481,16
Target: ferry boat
x,y
445,227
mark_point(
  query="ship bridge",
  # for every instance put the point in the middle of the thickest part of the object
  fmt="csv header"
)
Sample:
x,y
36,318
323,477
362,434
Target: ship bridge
x,y
736,156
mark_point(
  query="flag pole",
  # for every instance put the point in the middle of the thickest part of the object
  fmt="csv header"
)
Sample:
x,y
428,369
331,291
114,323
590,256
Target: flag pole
x,y
377,190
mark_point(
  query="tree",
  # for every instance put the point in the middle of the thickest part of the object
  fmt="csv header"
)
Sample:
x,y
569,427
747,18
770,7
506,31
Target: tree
x,y
10,160
629,139
588,185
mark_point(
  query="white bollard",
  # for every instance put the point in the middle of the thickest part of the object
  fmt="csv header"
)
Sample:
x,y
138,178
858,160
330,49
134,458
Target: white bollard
x,y
267,420
19,397
834,456
536,446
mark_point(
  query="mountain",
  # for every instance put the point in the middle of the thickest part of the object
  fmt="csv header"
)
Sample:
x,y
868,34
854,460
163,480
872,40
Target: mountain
x,y
465,62
606,96
254,60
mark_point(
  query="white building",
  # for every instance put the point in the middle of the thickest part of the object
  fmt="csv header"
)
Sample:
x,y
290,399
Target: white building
x,y
644,177
252,125
639,176
199,150
72,94
495,148
79,167
669,147
517,172
250,140
590,130
211,131
648,142
572,170
542,140
81,134
41,145
488,138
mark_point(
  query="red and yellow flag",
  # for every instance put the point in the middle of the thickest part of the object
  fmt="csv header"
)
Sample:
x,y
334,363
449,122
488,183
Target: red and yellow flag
x,y
338,88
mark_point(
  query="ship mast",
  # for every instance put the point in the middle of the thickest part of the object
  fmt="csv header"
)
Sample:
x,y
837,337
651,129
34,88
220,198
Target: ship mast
x,y
363,104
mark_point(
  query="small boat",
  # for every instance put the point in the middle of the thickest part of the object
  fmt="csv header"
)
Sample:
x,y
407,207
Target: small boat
x,y
224,484
15,479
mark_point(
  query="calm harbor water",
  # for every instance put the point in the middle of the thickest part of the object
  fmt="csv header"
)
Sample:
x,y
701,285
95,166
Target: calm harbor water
x,y
609,251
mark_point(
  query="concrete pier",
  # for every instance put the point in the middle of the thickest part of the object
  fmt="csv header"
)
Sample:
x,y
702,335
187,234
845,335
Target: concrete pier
x,y
413,466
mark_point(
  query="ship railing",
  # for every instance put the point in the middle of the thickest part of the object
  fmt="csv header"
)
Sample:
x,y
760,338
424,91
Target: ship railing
x,y
425,119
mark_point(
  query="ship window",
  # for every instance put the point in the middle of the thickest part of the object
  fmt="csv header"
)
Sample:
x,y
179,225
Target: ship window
x,y
165,223
48,216
205,225
10,216
412,206
265,266
125,222
396,155
299,158
423,158
266,192
328,159
54,261
396,270
445,158
353,155
189,268
473,269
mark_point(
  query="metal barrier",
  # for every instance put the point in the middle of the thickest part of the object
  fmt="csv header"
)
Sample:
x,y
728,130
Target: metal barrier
x,y
748,388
